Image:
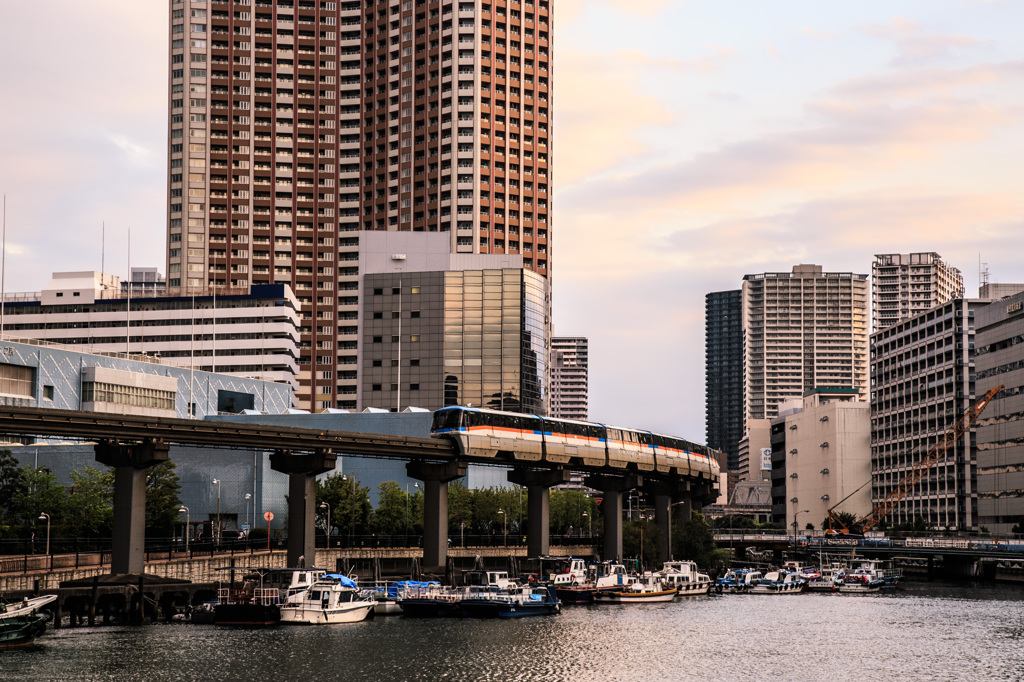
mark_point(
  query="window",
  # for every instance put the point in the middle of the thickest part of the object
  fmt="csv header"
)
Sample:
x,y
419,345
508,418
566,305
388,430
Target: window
x,y
414,338
414,290
415,362
376,363
375,387
414,387
378,316
414,314
378,339
16,380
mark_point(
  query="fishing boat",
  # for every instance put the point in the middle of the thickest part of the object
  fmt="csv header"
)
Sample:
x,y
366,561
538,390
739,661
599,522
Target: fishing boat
x,y
738,581
264,590
20,624
607,575
685,576
877,569
779,582
333,598
644,589
388,596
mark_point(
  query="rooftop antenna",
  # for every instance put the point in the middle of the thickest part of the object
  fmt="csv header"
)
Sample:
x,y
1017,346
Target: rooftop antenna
x,y
128,338
982,275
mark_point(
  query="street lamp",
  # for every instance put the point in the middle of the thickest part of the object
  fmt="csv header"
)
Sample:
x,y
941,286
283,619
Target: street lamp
x,y
504,525
324,505
248,521
590,527
49,560
796,526
414,485
188,524
216,532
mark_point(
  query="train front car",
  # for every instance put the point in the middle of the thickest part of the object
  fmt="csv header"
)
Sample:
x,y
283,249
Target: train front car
x,y
566,441
483,434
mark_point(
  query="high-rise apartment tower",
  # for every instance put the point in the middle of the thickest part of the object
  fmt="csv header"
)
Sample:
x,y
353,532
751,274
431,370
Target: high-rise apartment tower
x,y
569,366
295,124
723,373
904,285
803,330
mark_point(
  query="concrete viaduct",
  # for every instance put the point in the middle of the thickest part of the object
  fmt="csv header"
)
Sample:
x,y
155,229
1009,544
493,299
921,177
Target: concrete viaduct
x,y
130,444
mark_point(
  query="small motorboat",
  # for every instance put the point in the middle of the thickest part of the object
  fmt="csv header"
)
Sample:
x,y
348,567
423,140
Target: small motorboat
x,y
510,602
333,598
861,583
648,588
779,582
738,581
20,624
685,576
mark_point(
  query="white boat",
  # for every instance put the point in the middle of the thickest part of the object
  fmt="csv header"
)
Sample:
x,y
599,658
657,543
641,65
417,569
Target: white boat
x,y
779,582
738,581
333,598
25,607
644,589
829,580
876,569
685,576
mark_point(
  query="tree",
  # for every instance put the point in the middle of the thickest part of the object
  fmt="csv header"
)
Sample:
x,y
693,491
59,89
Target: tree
x,y
90,503
460,507
846,518
162,500
12,483
389,517
692,539
349,503
41,493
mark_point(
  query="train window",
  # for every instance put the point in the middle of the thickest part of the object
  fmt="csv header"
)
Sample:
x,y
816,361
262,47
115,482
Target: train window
x,y
447,419
643,438
614,434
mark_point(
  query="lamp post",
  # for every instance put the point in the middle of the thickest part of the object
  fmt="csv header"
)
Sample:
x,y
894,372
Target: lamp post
x,y
504,525
590,526
248,517
796,515
325,505
49,560
188,524
216,532
352,502
414,485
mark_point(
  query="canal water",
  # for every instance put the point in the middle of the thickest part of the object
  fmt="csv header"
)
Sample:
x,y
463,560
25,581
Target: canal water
x,y
924,631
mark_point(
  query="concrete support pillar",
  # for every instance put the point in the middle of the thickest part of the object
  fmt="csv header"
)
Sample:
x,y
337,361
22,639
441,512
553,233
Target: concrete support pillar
x,y
612,488
302,470
435,477
130,461
663,519
538,483
611,514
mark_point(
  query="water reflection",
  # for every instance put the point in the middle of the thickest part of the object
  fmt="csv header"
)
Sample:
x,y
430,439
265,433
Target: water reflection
x,y
933,632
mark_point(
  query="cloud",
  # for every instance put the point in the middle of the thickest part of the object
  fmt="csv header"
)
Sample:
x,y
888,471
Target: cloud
x,y
915,46
816,34
927,82
772,50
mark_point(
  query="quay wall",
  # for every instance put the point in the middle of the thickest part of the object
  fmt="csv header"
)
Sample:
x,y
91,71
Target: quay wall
x,y
205,569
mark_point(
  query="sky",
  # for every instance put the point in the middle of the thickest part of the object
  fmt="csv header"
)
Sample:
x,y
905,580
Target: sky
x,y
694,142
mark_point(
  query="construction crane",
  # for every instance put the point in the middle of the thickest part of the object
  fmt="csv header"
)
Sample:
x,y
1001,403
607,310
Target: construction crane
x,y
870,520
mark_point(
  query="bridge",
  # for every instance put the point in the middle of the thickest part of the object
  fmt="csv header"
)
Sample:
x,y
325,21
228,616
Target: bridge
x,y
130,444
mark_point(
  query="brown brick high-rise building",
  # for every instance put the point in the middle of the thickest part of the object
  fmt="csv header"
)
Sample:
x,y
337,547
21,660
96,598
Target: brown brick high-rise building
x,y
296,124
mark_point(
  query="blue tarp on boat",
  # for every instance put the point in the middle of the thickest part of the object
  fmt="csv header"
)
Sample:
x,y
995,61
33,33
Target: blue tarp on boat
x,y
396,588
343,579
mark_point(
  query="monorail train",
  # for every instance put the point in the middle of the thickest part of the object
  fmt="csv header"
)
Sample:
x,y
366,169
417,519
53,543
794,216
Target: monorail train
x,y
482,433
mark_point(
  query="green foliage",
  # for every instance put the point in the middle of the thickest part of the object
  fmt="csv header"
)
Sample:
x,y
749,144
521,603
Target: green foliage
x,y
460,508
640,542
349,504
846,518
567,509
41,494
162,500
693,540
390,516
735,521
12,484
1018,527
89,504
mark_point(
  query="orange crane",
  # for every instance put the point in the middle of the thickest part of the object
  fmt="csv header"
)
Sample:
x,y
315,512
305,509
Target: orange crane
x,y
870,520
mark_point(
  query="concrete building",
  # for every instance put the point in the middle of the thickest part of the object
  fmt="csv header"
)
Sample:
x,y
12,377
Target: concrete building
x,y
999,360
753,449
295,126
803,330
821,454
569,369
906,284
248,333
923,378
723,373
994,291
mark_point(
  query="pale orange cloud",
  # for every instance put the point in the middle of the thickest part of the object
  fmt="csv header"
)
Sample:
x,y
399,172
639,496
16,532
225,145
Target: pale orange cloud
x,y
915,45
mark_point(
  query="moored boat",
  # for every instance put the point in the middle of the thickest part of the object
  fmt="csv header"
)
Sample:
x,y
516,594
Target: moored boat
x,y
828,580
876,569
258,602
512,602
738,581
333,598
685,576
647,588
861,583
779,582
20,625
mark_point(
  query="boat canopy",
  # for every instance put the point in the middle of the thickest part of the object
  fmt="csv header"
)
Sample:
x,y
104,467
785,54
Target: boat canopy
x,y
343,580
